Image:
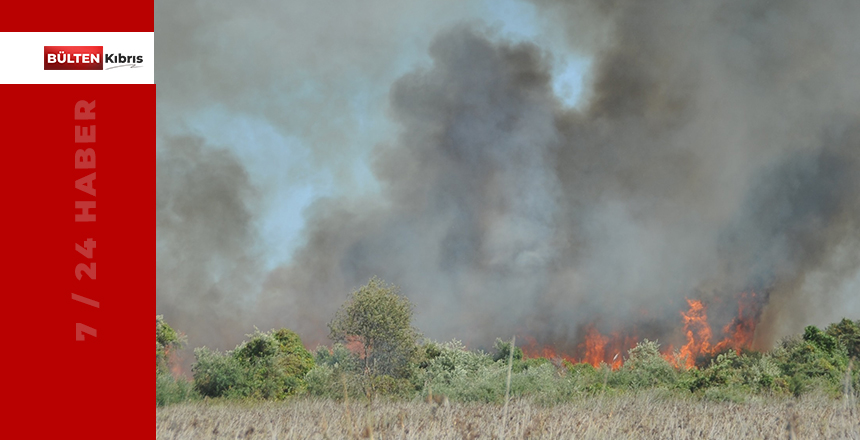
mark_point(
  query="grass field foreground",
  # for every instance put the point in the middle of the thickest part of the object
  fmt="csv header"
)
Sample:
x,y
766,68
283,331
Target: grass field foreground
x,y
628,416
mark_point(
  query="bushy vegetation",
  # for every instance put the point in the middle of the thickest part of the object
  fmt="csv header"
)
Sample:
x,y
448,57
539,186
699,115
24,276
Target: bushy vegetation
x,y
168,389
815,361
270,365
376,354
166,339
377,321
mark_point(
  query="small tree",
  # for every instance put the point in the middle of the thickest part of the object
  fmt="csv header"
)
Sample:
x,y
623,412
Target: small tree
x,y
379,320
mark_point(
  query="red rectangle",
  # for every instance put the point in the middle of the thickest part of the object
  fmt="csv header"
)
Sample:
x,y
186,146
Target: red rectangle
x,y
73,58
89,16
78,354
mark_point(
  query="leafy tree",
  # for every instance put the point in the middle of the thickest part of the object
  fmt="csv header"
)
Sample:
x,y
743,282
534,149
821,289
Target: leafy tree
x,y
378,320
848,334
819,339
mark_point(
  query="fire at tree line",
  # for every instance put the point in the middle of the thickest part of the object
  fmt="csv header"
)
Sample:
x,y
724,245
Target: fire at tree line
x,y
376,352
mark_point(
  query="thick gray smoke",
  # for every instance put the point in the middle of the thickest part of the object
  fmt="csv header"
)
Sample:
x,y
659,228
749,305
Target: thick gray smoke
x,y
718,152
204,240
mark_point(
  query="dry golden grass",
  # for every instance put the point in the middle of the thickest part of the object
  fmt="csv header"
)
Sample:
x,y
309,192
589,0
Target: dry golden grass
x,y
642,416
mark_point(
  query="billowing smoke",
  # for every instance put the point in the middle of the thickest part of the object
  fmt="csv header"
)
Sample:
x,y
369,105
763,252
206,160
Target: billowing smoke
x,y
204,239
717,152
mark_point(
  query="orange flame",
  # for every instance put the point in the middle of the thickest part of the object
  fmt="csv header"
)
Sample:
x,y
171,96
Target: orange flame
x,y
739,332
698,333
742,329
174,362
595,347
532,350
598,348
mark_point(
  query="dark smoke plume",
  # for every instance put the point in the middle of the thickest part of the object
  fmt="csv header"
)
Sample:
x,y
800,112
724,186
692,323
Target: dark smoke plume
x,y
718,152
204,240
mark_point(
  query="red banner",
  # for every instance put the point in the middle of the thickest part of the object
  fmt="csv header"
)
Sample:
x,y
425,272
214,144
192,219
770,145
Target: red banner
x,y
79,272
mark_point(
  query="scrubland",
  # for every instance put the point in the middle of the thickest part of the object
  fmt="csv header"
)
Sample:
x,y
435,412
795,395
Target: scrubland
x,y
390,384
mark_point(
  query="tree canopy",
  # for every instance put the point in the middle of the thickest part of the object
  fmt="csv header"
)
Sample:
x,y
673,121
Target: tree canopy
x,y
377,321
270,365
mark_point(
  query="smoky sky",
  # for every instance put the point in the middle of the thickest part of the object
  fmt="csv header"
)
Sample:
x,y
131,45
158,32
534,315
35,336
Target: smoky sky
x,y
716,151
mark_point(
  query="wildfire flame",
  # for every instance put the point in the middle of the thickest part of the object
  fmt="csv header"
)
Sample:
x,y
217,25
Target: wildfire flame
x,y
698,333
597,348
532,350
174,362
742,328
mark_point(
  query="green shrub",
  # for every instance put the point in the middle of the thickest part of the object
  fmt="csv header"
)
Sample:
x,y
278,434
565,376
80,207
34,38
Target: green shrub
x,y
814,361
645,368
269,365
848,334
321,382
523,365
218,375
760,372
333,383
169,390
503,351
338,357
339,373
543,384
274,365
820,340
166,339
586,379
431,350
463,375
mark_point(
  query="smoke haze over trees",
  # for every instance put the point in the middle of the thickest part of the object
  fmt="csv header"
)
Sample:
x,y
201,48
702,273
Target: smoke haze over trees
x,y
716,150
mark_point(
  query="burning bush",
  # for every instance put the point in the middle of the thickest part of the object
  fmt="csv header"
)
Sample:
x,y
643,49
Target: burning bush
x,y
168,389
166,339
273,365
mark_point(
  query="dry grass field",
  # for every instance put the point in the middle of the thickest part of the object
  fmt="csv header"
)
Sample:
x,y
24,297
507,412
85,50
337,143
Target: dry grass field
x,y
642,416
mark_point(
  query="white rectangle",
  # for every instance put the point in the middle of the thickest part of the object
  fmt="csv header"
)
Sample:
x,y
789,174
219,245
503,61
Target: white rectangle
x,y
24,55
